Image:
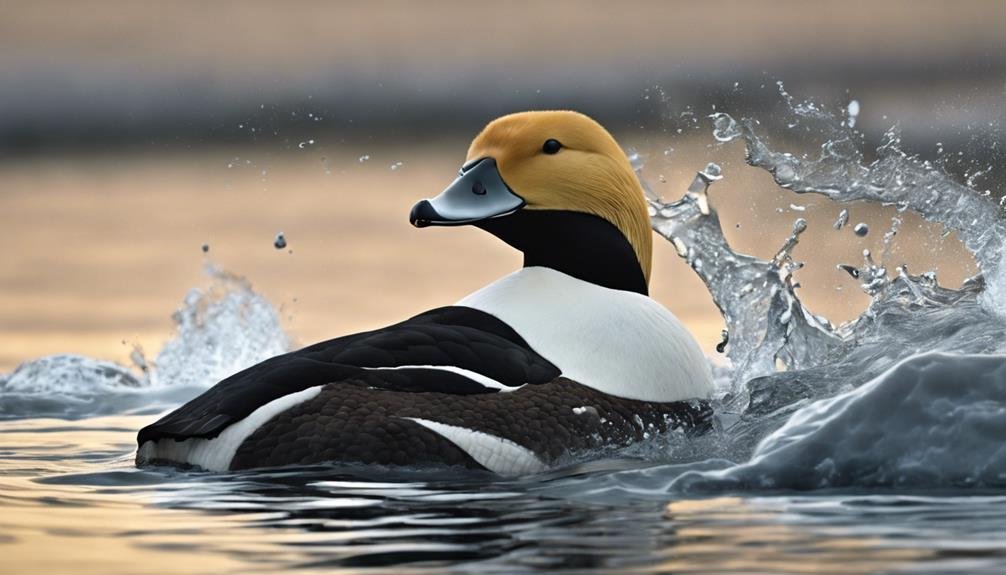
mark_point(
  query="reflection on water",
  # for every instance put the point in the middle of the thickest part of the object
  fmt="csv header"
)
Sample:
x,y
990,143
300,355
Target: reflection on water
x,y
73,503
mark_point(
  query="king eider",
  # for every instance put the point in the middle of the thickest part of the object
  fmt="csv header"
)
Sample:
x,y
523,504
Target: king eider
x,y
563,356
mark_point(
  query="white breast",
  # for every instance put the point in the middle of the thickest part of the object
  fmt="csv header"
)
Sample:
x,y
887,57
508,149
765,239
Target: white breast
x,y
618,342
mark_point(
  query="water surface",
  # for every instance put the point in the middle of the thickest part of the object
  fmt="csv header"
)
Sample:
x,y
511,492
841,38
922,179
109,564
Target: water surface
x,y
73,502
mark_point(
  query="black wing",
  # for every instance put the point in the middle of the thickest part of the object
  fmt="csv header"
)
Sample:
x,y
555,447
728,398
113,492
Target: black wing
x,y
455,336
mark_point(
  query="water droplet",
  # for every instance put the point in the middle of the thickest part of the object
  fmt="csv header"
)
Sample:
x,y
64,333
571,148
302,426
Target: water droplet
x,y
843,218
724,340
396,165
853,111
861,229
305,144
205,248
974,176
636,160
797,208
851,270
725,128
679,246
280,241
712,172
364,158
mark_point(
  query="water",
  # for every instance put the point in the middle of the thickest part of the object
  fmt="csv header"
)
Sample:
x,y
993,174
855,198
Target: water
x,y
72,510
870,446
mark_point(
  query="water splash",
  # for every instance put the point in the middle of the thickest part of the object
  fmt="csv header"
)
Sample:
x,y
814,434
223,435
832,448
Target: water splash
x,y
768,326
65,385
725,129
218,330
895,178
756,297
933,419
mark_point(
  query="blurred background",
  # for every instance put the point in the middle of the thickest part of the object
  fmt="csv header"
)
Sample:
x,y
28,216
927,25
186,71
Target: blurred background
x,y
133,134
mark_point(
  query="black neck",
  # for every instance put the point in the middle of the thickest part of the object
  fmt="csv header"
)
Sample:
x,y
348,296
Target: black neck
x,y
580,245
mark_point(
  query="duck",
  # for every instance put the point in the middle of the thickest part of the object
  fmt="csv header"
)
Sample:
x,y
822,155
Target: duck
x,y
563,357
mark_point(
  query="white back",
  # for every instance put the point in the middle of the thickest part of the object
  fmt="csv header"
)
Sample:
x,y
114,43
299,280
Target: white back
x,y
618,342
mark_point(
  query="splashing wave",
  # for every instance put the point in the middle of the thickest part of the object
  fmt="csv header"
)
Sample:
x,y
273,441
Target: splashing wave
x,y
909,393
218,331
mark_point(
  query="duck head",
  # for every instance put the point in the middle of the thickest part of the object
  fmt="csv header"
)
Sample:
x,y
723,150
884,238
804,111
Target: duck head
x,y
556,186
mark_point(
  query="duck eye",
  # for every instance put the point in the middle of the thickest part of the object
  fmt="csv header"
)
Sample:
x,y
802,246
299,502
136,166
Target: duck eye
x,y
551,146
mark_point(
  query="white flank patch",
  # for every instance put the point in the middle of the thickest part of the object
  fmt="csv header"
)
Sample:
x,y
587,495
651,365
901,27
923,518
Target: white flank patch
x,y
472,375
618,342
496,454
216,454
